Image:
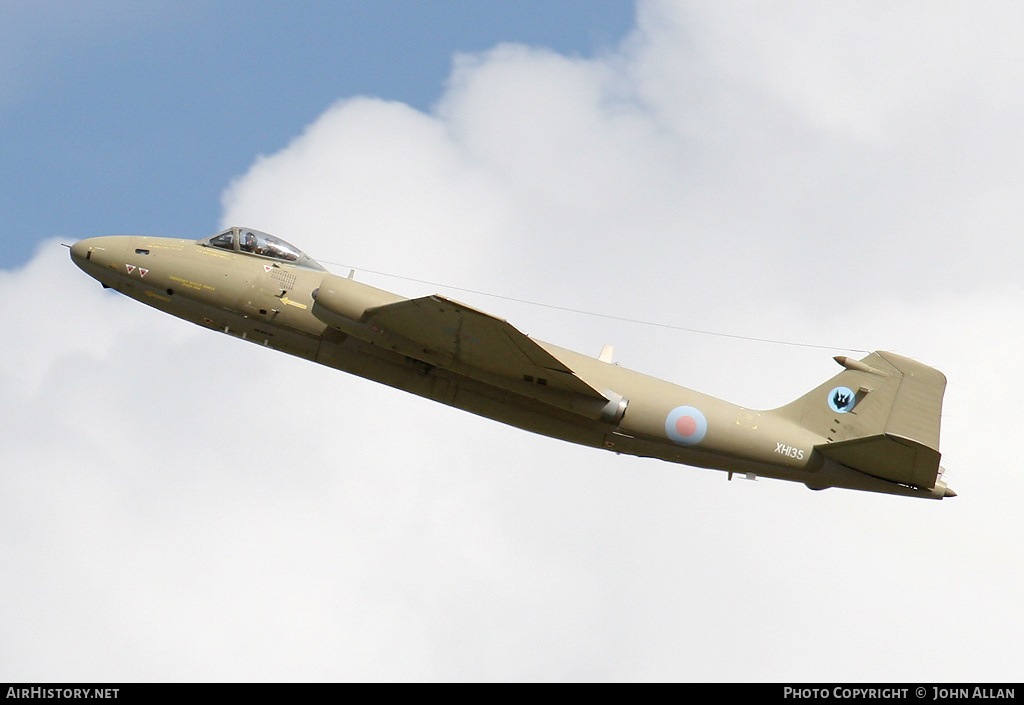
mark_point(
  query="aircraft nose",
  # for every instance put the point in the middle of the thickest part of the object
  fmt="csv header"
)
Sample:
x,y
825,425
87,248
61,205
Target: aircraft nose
x,y
100,257
98,250
80,251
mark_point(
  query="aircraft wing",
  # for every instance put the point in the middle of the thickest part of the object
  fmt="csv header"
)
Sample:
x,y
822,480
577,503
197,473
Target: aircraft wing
x,y
450,334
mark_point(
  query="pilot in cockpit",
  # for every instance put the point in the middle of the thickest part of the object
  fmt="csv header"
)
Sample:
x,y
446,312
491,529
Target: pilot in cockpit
x,y
250,244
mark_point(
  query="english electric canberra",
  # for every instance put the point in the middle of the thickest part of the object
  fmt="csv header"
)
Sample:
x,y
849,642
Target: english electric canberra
x,y
874,426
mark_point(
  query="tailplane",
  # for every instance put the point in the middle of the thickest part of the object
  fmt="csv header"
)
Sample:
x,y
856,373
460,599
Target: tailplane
x,y
880,417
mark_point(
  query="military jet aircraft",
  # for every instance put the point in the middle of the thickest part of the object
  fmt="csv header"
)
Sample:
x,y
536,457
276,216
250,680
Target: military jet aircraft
x,y
874,426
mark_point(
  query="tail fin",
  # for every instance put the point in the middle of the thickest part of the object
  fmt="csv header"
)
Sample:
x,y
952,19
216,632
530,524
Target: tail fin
x,y
881,417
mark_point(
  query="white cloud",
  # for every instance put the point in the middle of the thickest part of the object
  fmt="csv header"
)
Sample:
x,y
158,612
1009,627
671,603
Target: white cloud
x,y
182,506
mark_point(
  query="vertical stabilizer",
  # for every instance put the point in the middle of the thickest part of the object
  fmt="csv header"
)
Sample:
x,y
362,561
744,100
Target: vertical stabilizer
x,y
879,416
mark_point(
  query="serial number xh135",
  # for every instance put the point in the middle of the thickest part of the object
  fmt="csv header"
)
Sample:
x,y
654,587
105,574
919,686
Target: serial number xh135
x,y
874,426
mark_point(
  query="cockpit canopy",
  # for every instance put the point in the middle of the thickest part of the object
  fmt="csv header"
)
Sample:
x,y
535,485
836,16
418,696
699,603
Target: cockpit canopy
x,y
254,242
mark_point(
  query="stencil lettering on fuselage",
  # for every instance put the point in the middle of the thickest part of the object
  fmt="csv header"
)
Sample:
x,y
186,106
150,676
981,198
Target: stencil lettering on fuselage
x,y
788,450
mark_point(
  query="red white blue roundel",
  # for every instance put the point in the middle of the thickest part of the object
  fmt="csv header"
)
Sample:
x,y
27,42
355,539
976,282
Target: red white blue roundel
x,y
686,425
841,399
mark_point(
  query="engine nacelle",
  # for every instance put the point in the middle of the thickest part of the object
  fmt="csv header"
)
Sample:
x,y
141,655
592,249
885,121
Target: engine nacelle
x,y
341,303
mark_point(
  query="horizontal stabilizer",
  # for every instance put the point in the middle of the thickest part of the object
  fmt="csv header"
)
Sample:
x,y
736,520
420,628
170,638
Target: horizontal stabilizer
x,y
887,457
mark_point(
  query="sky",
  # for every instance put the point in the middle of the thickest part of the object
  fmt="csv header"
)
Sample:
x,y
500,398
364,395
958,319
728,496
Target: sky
x,y
176,505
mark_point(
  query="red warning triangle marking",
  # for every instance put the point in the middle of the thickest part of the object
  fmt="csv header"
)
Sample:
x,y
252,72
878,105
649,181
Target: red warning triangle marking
x,y
268,267
143,272
131,268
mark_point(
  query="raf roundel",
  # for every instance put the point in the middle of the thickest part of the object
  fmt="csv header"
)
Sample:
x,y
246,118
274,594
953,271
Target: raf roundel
x,y
686,425
841,399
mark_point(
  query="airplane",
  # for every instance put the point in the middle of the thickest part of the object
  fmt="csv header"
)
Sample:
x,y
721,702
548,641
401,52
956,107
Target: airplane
x,y
874,426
